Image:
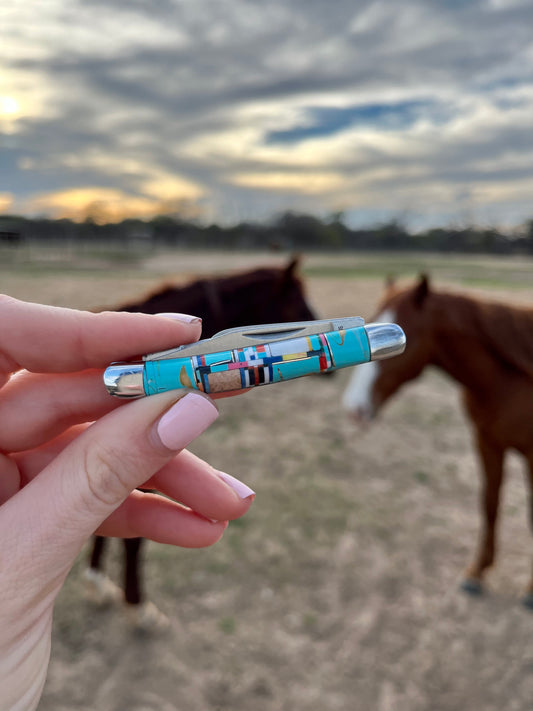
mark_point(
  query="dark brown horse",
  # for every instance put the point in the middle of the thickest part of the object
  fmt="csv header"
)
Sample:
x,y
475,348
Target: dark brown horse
x,y
488,349
265,295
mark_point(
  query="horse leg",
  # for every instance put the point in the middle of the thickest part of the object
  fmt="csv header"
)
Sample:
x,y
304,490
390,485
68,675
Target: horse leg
x,y
143,614
98,587
528,597
132,585
98,549
491,457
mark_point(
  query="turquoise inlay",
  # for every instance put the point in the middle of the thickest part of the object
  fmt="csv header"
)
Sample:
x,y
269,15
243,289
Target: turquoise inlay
x,y
171,374
289,369
222,357
219,368
349,347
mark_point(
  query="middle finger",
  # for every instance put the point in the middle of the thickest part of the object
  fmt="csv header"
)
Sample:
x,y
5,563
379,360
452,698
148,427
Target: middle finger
x,y
186,478
36,407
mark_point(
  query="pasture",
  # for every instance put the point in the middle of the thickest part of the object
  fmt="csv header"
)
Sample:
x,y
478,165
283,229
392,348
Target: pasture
x,y
339,589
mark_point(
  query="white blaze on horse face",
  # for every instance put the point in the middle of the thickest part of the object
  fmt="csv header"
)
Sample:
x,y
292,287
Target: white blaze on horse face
x,y
357,398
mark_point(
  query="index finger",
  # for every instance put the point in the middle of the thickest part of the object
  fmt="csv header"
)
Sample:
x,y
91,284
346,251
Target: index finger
x,y
51,339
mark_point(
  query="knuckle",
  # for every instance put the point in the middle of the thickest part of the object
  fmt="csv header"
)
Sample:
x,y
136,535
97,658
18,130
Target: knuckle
x,y
106,471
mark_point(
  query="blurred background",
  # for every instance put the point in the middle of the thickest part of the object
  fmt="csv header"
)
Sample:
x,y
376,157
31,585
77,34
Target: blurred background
x,y
148,143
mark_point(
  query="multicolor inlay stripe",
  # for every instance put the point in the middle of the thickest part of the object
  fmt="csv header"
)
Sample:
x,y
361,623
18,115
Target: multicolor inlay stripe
x,y
258,365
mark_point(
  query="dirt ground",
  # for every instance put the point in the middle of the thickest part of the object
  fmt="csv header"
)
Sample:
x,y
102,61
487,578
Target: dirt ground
x,y
339,589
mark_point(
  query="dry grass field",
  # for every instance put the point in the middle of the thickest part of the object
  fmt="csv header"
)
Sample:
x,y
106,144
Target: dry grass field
x,y
339,589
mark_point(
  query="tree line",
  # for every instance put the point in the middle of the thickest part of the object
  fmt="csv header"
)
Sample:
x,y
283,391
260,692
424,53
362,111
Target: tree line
x,y
290,230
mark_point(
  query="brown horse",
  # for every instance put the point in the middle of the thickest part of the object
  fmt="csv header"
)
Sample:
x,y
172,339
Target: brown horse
x,y
488,349
265,295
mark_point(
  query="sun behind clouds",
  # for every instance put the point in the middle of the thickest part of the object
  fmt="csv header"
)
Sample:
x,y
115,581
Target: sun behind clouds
x,y
9,106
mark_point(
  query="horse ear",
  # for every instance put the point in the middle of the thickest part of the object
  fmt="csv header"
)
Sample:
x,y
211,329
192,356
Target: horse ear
x,y
421,290
292,266
390,281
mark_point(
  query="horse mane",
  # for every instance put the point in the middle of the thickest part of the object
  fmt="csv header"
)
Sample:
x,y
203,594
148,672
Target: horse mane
x,y
506,330
285,274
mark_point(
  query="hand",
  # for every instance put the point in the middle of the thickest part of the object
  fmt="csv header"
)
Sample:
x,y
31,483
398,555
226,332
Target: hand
x,y
62,479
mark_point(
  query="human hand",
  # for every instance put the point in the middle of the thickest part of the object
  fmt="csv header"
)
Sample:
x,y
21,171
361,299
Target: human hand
x,y
61,479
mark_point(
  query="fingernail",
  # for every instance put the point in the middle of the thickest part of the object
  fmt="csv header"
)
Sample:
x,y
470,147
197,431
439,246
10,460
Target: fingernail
x,y
238,486
184,318
186,420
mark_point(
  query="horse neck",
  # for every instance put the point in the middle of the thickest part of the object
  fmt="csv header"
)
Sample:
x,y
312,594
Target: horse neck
x,y
458,349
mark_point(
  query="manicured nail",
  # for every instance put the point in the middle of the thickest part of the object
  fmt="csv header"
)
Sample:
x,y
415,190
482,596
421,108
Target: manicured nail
x,y
238,486
184,318
186,420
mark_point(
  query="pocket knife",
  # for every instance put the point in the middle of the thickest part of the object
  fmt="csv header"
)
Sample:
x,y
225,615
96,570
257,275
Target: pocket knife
x,y
243,357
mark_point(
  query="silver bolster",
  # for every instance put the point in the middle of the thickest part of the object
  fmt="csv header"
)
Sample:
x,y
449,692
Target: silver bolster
x,y
125,380
385,340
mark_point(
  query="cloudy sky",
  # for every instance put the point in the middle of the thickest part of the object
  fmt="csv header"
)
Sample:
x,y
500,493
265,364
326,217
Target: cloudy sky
x,y
235,110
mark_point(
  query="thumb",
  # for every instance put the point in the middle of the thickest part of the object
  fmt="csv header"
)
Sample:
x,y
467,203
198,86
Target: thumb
x,y
93,475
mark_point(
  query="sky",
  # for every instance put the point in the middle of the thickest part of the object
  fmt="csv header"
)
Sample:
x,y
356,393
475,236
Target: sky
x,y
235,110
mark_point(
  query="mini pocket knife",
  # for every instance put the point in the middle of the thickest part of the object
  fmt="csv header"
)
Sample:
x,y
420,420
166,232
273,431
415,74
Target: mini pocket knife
x,y
244,357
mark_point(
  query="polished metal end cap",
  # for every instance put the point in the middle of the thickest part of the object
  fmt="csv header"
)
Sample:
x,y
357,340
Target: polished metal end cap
x,y
125,380
385,340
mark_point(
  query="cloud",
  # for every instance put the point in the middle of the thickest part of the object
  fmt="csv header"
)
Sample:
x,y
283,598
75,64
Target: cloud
x,y
243,108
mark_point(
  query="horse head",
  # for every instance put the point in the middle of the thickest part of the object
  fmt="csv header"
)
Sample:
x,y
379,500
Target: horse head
x,y
372,384
263,295
272,295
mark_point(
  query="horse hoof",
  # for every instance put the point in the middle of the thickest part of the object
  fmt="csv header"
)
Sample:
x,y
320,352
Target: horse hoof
x,y
99,589
472,586
527,601
147,618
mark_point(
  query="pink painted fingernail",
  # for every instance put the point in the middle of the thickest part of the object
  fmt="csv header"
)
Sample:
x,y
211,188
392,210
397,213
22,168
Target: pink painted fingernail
x,y
186,420
238,486
184,318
